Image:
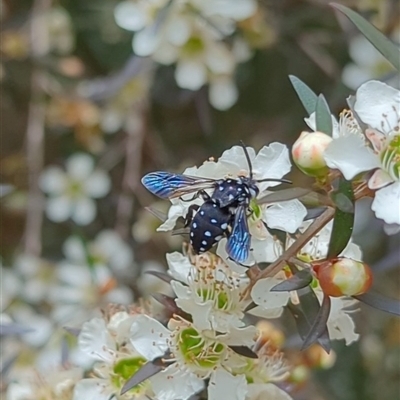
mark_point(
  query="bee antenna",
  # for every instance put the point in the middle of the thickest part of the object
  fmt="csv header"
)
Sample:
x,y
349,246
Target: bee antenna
x,y
274,180
246,153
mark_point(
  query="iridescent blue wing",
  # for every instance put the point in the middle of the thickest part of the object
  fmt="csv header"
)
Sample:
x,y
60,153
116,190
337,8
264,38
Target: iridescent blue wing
x,y
238,245
168,186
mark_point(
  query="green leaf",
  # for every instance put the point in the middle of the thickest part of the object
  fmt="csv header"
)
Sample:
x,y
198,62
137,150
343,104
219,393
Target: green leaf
x,y
299,280
305,314
387,48
147,371
319,325
306,95
383,303
343,221
244,351
323,117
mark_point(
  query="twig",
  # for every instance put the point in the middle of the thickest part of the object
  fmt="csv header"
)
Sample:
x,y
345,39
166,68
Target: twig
x,y
255,273
35,132
131,175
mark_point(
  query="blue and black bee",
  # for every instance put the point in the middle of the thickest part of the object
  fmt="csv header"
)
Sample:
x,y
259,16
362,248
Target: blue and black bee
x,y
223,213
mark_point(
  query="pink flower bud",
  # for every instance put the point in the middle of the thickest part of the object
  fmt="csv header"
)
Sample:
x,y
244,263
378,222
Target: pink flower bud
x,y
308,151
343,277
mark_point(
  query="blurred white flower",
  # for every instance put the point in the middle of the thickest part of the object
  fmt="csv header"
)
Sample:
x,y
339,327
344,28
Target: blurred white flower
x,y
108,249
368,63
340,324
378,106
71,193
190,33
80,291
53,384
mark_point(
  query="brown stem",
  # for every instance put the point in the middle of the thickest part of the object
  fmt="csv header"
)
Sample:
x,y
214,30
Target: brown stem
x,y
35,132
131,177
256,274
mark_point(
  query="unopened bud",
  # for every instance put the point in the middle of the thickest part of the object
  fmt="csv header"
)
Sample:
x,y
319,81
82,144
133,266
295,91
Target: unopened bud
x,y
344,277
308,152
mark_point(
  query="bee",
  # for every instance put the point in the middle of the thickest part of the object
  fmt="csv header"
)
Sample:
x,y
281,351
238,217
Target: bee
x,y
223,213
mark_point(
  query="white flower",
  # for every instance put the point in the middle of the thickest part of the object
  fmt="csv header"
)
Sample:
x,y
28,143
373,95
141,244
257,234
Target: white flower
x,y
40,326
108,344
71,193
209,291
190,33
106,250
367,63
340,324
80,291
53,384
378,106
197,354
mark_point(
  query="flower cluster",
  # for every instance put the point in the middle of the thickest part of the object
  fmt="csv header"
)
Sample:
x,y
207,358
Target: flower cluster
x,y
205,39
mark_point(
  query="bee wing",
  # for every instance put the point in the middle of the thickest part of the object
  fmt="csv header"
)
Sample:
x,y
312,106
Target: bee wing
x,y
238,245
168,186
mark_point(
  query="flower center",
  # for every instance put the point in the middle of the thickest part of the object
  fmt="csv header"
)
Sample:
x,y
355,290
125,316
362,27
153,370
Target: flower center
x,y
124,369
256,211
196,351
74,189
193,46
390,158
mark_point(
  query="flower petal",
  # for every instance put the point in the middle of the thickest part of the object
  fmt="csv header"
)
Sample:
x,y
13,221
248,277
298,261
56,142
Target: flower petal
x,y
149,337
272,161
58,209
190,74
129,16
74,250
224,385
95,340
262,295
98,184
378,105
286,216
79,166
53,180
92,389
145,42
350,156
84,211
386,203
175,384
263,391
223,93
179,266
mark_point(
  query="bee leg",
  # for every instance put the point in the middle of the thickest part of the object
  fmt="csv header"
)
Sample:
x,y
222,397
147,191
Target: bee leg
x,y
190,214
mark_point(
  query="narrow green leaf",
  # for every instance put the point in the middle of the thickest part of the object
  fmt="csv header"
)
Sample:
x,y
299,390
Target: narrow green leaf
x,y
160,275
298,281
307,97
244,351
380,302
147,371
319,326
305,314
323,117
343,221
387,48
